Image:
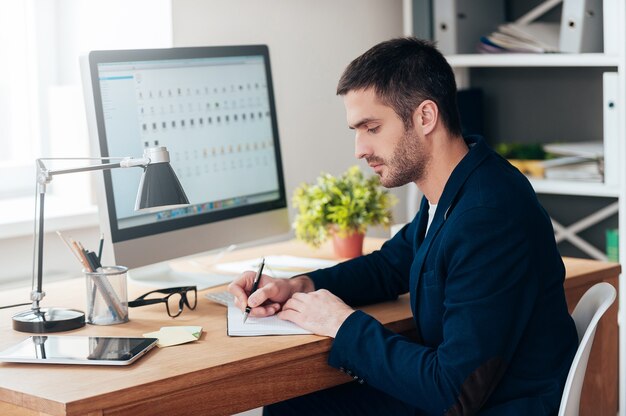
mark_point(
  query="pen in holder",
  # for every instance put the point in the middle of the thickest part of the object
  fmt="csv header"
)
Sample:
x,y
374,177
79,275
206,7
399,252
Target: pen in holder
x,y
107,295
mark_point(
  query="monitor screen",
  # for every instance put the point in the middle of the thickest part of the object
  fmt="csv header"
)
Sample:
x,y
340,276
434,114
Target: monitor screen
x,y
213,109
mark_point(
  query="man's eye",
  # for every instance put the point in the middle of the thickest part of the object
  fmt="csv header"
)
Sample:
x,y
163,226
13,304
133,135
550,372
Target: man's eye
x,y
373,130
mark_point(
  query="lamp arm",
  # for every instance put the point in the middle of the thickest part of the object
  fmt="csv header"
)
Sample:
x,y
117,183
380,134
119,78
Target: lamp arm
x,y
104,166
45,176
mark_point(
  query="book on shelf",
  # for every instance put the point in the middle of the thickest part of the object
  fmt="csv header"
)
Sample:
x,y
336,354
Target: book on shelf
x,y
582,161
573,169
579,30
537,37
573,161
590,150
526,34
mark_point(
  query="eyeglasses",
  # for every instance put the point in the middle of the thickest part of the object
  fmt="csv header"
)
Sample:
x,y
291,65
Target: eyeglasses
x,y
174,300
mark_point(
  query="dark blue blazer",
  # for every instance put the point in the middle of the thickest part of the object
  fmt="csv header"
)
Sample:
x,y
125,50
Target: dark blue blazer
x,y
486,285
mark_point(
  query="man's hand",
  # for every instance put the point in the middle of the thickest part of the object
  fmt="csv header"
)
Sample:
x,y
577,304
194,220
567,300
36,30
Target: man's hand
x,y
270,295
320,312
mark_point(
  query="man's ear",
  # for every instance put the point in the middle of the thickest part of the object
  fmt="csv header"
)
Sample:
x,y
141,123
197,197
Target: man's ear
x,y
425,116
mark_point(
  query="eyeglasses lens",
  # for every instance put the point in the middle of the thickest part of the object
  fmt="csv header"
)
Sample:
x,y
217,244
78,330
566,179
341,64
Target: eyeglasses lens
x,y
174,304
192,299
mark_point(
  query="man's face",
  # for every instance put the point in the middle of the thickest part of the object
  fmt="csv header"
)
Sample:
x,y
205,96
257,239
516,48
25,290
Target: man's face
x,y
397,155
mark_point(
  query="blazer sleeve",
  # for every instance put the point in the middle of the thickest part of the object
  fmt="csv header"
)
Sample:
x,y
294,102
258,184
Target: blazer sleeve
x,y
490,288
376,277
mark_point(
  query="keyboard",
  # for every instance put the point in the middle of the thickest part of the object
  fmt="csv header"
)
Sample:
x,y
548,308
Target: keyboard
x,y
223,298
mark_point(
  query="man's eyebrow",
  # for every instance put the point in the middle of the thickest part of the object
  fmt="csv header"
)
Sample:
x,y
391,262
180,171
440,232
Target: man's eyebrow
x,y
360,123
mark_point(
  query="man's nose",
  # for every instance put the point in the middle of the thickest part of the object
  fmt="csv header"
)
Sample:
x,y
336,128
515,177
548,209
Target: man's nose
x,y
361,148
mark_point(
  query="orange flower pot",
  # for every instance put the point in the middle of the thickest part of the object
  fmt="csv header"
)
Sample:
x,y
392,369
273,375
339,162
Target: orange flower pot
x,y
349,246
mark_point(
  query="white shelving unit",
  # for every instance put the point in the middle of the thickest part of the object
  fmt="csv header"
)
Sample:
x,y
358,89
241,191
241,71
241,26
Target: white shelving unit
x,y
615,62
547,186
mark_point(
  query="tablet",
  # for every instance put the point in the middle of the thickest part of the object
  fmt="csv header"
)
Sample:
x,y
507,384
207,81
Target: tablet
x,y
78,350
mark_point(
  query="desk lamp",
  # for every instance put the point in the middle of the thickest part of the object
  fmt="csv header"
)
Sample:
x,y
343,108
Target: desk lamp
x,y
159,188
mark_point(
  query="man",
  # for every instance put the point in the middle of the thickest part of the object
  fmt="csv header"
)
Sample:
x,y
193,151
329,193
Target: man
x,y
479,261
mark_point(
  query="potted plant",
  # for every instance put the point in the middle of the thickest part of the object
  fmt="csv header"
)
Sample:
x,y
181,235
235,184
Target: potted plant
x,y
342,207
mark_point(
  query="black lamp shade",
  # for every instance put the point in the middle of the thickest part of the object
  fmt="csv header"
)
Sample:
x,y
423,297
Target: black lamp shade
x,y
159,189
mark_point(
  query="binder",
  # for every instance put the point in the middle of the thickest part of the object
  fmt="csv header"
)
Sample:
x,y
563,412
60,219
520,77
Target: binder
x,y
612,244
581,26
610,26
422,19
459,24
610,127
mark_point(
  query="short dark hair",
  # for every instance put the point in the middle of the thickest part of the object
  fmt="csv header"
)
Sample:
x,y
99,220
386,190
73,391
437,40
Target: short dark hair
x,y
404,72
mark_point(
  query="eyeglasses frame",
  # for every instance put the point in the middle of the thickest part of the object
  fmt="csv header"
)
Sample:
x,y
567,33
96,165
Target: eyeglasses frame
x,y
182,291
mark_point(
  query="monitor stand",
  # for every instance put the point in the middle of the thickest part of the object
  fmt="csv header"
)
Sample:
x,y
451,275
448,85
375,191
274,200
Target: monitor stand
x,y
163,275
195,270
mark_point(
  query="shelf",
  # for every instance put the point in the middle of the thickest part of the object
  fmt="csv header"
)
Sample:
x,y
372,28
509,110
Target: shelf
x,y
545,186
533,60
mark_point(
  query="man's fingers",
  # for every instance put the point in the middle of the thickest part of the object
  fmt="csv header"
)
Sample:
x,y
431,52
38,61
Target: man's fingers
x,y
266,310
299,295
238,292
289,315
262,294
294,304
241,286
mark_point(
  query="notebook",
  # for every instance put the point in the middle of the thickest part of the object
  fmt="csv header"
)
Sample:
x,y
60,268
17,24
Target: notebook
x,y
271,325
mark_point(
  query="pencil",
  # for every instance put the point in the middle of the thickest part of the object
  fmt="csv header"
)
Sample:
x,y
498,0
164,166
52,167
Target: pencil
x,y
80,253
68,246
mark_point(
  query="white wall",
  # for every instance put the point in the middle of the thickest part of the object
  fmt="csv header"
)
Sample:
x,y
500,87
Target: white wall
x,y
311,42
65,29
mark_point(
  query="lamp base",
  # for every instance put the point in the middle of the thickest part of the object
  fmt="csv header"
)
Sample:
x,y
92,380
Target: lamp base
x,y
45,320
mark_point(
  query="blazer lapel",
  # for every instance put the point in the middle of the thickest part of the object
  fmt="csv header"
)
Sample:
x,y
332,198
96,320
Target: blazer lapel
x,y
422,222
477,153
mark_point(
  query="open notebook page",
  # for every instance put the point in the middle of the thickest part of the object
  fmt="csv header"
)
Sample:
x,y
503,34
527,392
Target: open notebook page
x,y
271,325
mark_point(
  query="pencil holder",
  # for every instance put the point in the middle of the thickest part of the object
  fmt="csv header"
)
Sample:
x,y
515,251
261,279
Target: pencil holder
x,y
107,295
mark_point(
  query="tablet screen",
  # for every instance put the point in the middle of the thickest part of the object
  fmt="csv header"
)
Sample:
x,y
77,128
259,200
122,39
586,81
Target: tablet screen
x,y
78,350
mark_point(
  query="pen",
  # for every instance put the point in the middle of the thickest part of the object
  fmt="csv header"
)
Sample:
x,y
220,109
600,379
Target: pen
x,y
255,286
100,248
93,260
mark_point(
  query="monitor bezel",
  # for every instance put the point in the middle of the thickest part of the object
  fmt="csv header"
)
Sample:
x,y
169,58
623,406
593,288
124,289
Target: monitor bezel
x,y
138,55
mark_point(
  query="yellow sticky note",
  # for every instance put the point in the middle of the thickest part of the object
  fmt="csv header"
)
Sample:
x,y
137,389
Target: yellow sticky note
x,y
196,331
171,336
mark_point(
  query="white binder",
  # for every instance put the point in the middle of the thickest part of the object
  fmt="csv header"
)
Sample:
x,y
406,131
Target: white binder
x,y
611,29
581,26
610,122
459,24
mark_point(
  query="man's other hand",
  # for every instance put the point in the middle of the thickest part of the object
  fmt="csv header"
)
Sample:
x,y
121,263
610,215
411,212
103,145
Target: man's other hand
x,y
320,312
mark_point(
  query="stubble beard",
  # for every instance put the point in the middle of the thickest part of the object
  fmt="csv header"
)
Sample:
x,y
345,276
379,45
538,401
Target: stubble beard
x,y
408,162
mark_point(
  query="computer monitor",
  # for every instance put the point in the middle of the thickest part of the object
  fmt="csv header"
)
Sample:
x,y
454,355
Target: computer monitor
x,y
213,108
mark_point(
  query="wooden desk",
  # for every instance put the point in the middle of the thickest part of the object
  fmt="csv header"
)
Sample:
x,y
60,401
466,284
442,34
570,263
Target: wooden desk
x,y
205,377
600,390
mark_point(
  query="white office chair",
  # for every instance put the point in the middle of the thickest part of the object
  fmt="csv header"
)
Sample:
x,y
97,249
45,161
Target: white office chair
x,y
587,313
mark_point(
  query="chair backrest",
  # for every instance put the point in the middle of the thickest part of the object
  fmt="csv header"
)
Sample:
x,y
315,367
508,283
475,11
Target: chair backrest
x,y
587,314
